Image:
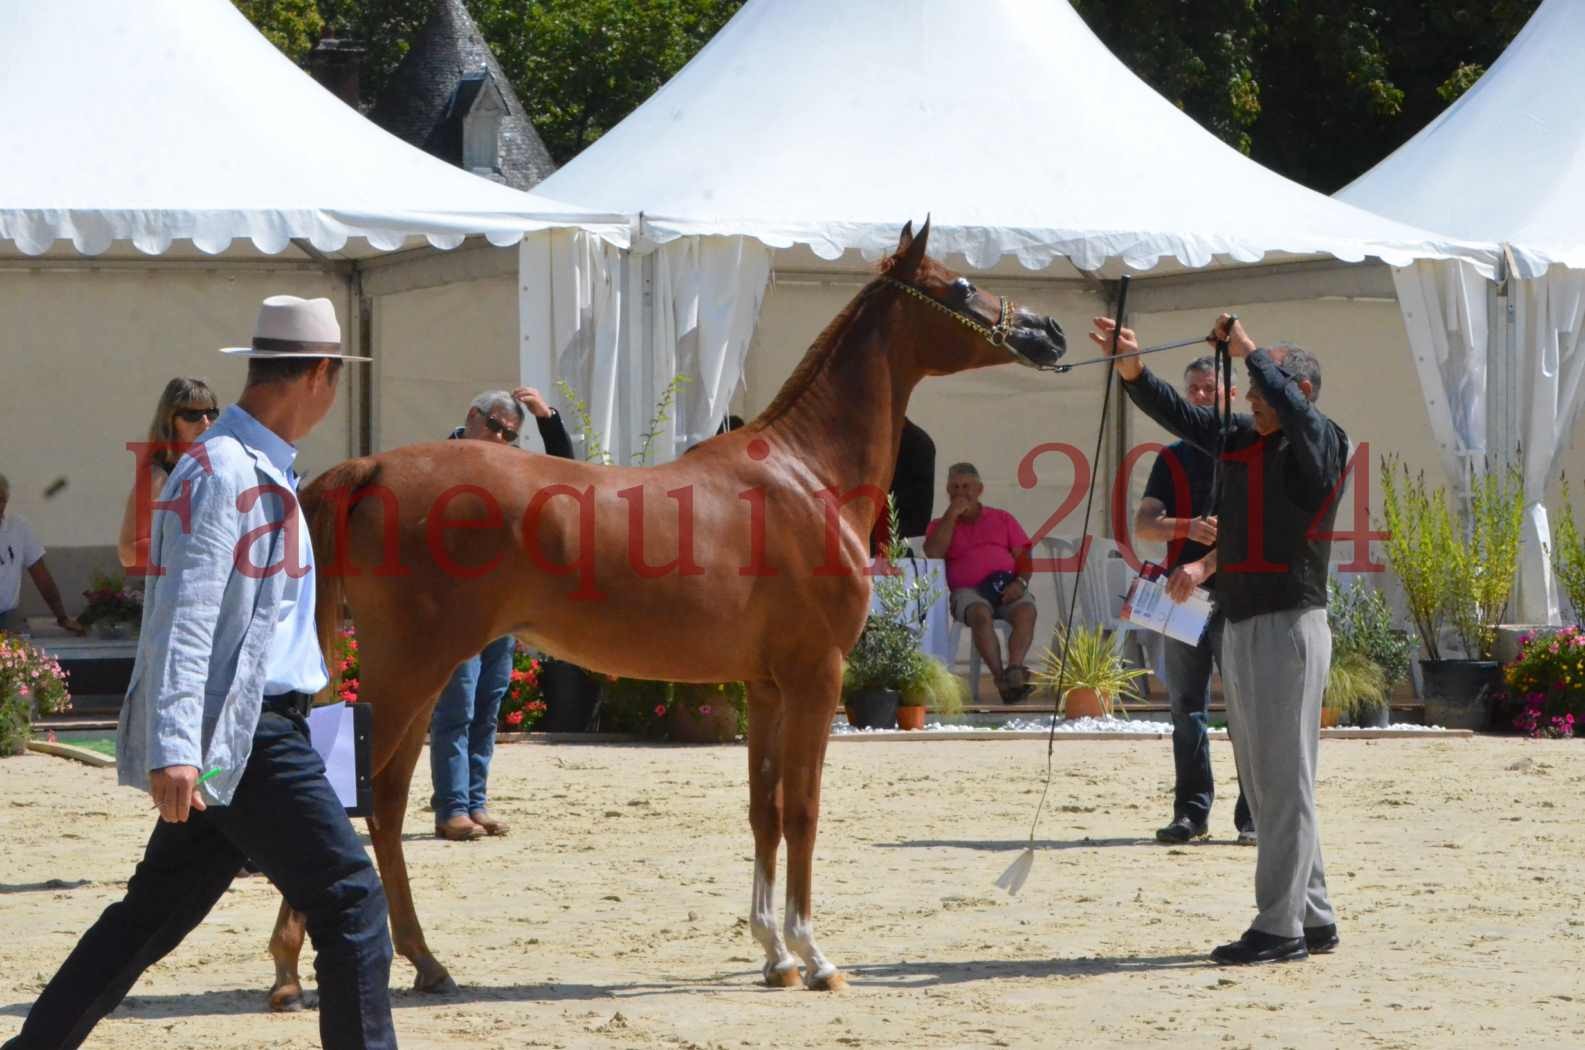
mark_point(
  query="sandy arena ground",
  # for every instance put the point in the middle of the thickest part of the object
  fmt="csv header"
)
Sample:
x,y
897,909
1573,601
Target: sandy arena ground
x,y
614,915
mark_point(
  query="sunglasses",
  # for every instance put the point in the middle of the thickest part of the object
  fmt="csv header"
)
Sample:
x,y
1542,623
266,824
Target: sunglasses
x,y
498,427
193,415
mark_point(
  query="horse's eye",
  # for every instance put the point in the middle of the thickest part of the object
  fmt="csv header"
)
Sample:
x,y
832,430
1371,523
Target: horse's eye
x,y
962,290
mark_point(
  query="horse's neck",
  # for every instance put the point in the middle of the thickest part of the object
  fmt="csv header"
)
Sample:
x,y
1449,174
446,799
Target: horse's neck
x,y
847,424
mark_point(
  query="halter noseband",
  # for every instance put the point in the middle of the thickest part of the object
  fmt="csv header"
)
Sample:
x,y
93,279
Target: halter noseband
x,y
996,334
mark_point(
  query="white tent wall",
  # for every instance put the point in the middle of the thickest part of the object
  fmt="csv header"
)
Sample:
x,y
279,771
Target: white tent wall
x,y
618,326
438,349
1536,409
88,350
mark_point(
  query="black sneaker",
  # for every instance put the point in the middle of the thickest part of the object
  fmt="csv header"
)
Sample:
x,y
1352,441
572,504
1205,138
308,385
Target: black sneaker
x,y
1321,939
1256,947
1181,831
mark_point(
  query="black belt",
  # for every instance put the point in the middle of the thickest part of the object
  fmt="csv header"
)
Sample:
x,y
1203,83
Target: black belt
x,y
290,703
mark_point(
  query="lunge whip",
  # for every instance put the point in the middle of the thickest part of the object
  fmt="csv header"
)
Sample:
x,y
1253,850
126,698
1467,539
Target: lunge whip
x,y
1017,873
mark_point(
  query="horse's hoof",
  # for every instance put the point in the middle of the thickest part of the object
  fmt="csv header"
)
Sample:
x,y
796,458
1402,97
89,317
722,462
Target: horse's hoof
x,y
440,984
786,978
834,981
286,999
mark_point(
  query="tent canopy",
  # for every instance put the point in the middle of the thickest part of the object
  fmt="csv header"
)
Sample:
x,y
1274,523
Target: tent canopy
x,y
171,120
1506,162
829,123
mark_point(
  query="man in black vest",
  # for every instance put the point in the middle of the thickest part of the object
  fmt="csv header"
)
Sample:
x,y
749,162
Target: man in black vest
x,y
1176,509
1281,468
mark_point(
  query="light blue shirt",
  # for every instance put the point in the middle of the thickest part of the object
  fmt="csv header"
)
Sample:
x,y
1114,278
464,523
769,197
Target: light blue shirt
x,y
216,629
293,663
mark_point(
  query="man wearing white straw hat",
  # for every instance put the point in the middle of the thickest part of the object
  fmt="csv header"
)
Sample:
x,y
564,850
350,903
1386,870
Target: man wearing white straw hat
x,y
214,723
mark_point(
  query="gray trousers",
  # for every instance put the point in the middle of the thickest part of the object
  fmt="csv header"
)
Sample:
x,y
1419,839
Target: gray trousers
x,y
1274,668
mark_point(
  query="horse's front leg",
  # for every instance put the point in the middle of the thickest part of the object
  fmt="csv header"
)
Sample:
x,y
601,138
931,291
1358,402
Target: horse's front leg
x,y
809,699
286,946
765,817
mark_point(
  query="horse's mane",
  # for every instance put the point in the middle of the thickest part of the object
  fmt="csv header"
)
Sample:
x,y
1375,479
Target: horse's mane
x,y
852,323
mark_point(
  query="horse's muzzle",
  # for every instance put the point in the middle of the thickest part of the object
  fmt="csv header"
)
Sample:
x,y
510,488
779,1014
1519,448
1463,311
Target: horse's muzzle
x,y
1037,340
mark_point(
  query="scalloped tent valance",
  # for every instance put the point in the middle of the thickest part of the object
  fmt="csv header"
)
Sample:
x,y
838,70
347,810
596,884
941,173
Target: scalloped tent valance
x,y
829,123
172,120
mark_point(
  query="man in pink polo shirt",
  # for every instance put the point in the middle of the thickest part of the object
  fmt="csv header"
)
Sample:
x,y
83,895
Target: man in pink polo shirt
x,y
987,556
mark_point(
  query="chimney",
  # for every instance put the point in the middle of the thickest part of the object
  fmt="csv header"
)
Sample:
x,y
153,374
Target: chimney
x,y
337,63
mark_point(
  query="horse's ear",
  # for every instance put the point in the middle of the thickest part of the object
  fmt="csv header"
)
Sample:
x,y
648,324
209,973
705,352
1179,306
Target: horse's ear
x,y
912,251
907,238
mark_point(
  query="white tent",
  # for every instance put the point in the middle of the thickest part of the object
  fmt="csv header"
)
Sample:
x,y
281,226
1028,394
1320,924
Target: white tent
x,y
827,124
1504,365
174,120
162,168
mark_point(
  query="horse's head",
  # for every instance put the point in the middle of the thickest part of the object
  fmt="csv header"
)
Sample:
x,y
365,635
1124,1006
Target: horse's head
x,y
976,328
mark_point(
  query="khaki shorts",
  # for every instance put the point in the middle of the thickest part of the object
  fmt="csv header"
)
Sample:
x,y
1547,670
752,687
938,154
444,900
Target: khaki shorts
x,y
963,597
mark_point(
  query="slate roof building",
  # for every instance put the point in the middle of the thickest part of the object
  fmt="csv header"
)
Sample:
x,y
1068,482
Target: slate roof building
x,y
449,97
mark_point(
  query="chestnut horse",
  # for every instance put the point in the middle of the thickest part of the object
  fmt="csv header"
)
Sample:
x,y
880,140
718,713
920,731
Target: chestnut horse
x,y
744,561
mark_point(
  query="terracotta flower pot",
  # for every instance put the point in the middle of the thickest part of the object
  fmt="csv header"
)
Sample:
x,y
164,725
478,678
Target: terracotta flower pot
x,y
910,716
1083,703
1328,718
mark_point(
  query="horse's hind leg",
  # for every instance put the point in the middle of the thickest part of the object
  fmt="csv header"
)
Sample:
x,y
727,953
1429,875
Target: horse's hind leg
x,y
765,817
390,807
809,699
286,946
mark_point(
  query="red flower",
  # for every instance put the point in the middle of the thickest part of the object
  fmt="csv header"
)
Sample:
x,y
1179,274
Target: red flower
x,y
660,710
515,718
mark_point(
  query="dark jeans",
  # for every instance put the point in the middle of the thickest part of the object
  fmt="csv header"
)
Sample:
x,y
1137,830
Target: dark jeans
x,y
462,730
1188,672
285,817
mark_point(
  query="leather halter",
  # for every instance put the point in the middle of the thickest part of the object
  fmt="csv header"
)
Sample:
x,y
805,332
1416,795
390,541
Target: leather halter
x,y
996,334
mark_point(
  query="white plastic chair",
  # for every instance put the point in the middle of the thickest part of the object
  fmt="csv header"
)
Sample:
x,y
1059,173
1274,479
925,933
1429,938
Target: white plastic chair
x,y
1103,583
1004,631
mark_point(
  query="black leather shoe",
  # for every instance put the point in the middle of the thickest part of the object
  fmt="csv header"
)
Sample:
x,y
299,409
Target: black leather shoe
x,y
1321,939
1256,947
1180,831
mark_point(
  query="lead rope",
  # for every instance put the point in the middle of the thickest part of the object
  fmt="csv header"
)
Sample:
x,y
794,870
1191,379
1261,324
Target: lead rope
x,y
1012,880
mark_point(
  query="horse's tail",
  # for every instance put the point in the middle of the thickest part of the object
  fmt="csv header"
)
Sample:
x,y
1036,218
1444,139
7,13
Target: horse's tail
x,y
329,503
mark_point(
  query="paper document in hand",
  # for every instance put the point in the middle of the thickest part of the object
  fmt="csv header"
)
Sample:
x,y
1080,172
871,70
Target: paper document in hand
x,y
1149,605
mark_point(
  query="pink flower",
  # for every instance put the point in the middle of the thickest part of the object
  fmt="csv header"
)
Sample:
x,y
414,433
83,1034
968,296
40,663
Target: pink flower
x,y
660,710
704,709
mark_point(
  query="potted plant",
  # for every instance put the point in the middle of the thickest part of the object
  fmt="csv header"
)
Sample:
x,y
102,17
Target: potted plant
x,y
1354,683
1094,680
707,714
1568,558
886,658
112,611
881,662
1457,577
1362,623
930,686
31,684
1547,683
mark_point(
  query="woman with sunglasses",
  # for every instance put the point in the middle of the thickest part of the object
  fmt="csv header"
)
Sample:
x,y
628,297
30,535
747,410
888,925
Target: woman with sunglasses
x,y
187,408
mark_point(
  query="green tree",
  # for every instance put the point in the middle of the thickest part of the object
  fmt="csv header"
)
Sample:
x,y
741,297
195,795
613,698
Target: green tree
x,y
580,66
291,25
1318,90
